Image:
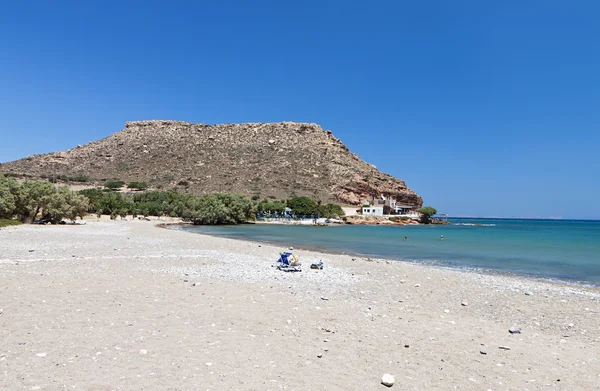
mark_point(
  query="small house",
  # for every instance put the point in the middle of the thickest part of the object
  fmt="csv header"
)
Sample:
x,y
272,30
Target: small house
x,y
373,210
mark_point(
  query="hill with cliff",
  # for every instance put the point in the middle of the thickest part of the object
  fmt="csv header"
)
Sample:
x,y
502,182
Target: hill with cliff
x,y
264,160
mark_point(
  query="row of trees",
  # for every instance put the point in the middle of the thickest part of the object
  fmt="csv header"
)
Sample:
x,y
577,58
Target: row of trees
x,y
31,201
208,209
301,206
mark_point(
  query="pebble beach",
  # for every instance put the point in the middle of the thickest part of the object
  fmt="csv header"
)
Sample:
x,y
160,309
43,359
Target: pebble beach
x,y
126,305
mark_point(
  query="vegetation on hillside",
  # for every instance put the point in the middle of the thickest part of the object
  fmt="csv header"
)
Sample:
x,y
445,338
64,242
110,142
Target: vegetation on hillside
x,y
31,201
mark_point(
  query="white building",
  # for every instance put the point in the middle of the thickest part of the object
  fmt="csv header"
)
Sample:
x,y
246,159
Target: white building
x,y
372,210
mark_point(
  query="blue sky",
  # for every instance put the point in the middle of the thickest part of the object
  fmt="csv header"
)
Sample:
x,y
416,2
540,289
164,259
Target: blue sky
x,y
483,108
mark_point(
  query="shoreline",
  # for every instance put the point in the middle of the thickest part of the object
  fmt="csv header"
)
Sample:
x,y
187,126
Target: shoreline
x,y
150,308
564,281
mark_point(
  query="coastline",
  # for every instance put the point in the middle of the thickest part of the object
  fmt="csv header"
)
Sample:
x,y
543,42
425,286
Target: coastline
x,y
564,281
130,300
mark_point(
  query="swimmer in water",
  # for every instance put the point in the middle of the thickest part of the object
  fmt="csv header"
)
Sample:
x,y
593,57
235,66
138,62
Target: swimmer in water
x,y
406,238
441,237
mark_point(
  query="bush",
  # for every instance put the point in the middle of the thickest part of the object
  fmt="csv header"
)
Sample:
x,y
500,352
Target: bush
x,y
114,185
137,185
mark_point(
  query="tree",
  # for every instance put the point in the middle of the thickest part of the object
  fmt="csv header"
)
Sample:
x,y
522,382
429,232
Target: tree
x,y
426,212
271,207
64,204
219,209
303,206
8,204
330,211
31,198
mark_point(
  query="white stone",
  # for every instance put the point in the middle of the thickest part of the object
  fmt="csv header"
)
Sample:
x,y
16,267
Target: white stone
x,y
387,380
143,351
514,330
44,354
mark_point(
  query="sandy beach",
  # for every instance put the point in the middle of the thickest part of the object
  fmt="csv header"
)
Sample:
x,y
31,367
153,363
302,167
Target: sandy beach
x,y
125,305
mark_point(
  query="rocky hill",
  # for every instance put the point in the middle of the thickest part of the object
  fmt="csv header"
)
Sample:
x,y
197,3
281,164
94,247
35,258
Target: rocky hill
x,y
273,160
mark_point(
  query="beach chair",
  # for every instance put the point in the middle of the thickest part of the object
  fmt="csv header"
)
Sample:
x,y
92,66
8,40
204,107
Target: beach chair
x,y
288,262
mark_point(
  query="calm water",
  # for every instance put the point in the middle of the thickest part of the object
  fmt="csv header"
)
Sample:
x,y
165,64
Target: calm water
x,y
555,249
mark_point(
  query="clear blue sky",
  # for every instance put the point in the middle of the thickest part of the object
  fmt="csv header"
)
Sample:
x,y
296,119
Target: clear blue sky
x,y
483,108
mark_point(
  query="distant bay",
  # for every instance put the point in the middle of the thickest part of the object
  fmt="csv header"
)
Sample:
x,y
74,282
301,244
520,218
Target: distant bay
x,y
564,250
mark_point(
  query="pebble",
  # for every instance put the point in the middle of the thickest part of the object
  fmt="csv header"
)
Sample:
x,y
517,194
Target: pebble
x,y
43,354
482,351
464,303
504,347
515,330
291,248
143,351
446,311
528,293
388,380
417,285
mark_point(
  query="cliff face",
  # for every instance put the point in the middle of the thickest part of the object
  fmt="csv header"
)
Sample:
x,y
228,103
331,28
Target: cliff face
x,y
262,159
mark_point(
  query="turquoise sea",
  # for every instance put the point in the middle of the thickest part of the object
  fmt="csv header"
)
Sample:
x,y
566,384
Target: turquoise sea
x,y
565,250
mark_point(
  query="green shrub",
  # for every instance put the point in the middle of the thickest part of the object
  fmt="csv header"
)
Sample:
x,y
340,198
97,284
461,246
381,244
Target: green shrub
x,y
114,185
137,185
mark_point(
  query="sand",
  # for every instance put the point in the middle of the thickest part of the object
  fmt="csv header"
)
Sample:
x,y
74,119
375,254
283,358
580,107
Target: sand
x,y
125,305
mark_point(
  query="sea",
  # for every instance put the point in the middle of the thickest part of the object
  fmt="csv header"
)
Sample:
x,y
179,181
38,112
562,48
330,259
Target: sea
x,y
566,251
